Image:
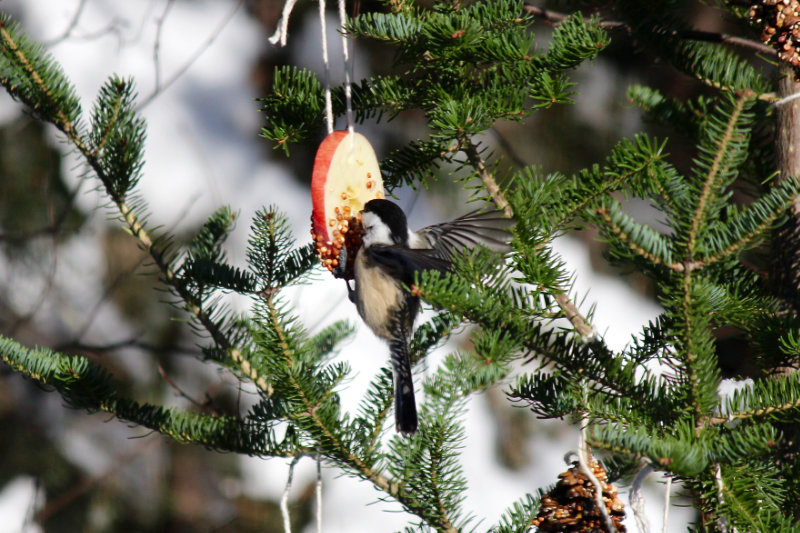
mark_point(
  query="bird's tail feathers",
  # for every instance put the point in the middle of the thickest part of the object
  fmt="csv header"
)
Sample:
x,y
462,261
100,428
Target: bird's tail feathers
x,y
405,405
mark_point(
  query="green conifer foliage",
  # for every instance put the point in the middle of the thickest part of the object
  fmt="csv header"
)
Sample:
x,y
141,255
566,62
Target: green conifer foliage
x,y
466,66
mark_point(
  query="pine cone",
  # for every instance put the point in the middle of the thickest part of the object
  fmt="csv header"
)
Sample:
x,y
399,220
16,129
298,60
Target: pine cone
x,y
571,506
780,23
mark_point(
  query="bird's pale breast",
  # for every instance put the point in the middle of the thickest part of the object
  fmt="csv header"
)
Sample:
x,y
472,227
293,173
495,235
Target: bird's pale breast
x,y
377,295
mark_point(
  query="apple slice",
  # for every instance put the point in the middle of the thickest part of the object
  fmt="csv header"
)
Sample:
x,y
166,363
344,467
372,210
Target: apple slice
x,y
346,176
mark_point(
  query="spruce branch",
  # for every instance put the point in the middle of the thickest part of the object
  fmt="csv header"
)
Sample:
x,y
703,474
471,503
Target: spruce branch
x,y
329,437
717,167
121,118
193,304
628,163
692,375
467,67
568,307
775,397
42,87
477,162
693,35
760,217
658,259
87,386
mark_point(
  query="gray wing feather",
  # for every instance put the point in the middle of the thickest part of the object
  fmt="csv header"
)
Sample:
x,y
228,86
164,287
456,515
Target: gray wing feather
x,y
490,229
403,263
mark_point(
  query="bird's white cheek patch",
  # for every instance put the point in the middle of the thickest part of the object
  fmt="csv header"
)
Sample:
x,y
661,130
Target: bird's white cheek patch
x,y
375,231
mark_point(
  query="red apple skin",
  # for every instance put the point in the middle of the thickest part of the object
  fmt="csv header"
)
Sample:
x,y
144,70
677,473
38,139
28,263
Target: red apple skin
x,y
322,162
341,183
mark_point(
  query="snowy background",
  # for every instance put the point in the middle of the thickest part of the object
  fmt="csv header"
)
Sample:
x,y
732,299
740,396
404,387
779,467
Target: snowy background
x,y
203,151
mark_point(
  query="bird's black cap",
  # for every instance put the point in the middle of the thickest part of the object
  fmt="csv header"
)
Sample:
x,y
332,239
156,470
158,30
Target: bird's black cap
x,y
392,215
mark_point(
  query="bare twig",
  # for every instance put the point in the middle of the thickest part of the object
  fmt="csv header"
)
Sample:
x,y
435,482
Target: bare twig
x,y
76,346
555,17
509,149
157,45
88,483
73,23
194,57
208,404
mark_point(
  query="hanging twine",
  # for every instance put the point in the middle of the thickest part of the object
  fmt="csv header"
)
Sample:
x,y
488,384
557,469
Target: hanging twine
x,y
328,103
282,31
287,522
282,34
584,462
318,490
287,519
665,520
636,499
348,92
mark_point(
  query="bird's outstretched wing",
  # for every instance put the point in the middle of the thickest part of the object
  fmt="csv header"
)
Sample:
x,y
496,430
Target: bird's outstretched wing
x,y
490,229
403,263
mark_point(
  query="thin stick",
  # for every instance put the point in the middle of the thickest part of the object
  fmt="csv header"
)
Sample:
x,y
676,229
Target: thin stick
x,y
199,52
73,23
157,45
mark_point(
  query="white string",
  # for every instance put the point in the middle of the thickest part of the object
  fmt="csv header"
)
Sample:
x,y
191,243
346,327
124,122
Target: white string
x,y
348,93
584,462
319,493
328,103
282,31
667,495
281,35
787,99
637,499
287,523
723,521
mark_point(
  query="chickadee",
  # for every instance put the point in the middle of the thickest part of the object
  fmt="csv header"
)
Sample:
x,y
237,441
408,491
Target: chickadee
x,y
390,256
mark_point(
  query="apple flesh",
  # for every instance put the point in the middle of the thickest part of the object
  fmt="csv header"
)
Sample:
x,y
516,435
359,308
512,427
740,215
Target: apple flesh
x,y
346,176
